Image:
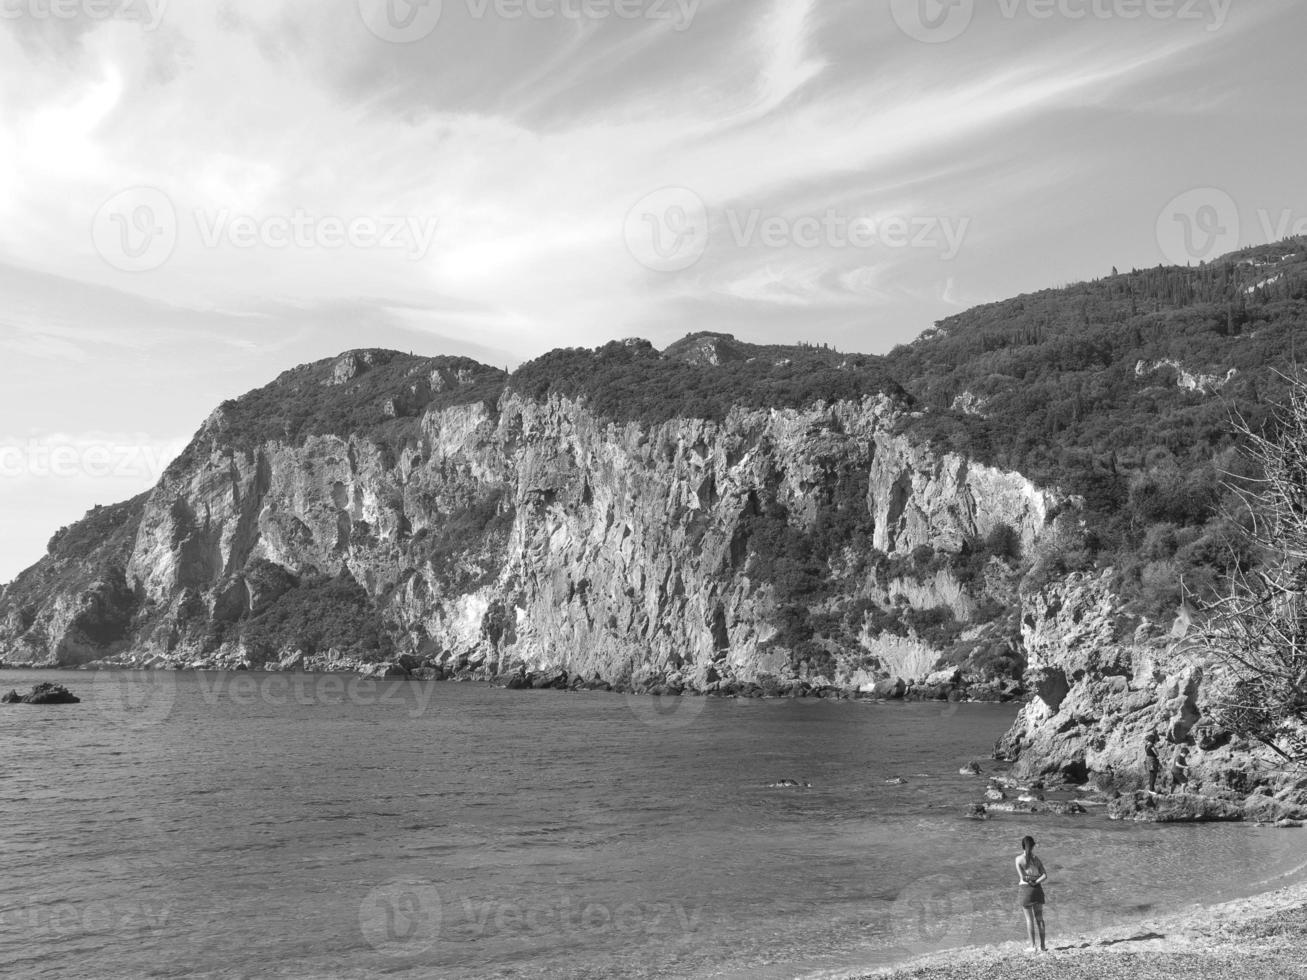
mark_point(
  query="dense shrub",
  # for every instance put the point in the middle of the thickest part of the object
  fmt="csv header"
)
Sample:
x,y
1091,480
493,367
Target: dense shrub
x,y
631,381
318,615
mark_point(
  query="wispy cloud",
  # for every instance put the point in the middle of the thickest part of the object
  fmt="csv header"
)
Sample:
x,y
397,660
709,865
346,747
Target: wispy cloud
x,y
511,152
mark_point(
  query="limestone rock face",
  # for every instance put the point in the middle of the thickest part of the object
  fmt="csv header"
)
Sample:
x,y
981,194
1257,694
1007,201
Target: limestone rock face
x,y
490,539
1096,695
920,497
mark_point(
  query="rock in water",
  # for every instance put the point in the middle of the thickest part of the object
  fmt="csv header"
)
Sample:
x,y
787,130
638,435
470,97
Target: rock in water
x,y
43,694
1152,808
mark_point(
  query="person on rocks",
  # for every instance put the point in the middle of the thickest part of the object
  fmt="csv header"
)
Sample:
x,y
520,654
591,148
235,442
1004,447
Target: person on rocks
x,y
1152,763
1031,877
1180,770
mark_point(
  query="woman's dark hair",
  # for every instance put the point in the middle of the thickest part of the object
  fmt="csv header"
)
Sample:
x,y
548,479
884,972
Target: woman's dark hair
x,y
1027,844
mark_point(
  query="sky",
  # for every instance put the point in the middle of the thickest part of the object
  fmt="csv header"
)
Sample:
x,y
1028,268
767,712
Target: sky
x,y
196,196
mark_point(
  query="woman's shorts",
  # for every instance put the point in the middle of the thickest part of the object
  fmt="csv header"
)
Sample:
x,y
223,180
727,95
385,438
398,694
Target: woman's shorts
x,y
1031,895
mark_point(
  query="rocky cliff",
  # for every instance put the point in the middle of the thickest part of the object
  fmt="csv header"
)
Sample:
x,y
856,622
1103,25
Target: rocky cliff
x,y
492,536
1098,688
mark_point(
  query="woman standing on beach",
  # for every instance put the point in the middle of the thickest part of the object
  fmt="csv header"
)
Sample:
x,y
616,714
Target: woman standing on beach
x,y
1031,874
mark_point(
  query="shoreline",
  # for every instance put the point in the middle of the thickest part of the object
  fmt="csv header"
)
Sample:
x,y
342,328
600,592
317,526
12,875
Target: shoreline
x,y
743,691
1259,937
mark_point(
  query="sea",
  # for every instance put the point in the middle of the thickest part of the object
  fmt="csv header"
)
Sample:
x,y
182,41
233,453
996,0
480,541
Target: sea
x,y
274,825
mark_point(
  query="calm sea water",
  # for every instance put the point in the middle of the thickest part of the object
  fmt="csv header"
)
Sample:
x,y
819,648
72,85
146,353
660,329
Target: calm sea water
x,y
266,826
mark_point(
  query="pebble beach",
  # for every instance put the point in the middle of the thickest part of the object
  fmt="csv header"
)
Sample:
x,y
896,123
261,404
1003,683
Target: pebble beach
x,y
1259,938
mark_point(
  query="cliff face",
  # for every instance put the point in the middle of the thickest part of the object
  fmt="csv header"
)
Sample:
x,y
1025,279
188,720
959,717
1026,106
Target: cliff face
x,y
1096,692
488,538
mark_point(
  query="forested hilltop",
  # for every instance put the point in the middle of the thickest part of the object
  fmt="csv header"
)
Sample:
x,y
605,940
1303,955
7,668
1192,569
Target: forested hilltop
x,y
1122,392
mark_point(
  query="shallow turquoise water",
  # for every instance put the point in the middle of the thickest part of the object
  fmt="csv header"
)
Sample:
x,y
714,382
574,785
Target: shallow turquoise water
x,y
251,826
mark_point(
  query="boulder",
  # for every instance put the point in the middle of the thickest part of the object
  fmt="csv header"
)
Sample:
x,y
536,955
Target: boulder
x,y
43,694
945,678
549,679
970,769
890,689
385,670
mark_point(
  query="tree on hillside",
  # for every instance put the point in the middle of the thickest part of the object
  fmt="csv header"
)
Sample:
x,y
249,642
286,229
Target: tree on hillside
x,y
1259,630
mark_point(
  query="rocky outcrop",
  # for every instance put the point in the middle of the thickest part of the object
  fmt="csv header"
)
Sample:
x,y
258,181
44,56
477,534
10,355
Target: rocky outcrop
x,y
517,536
1095,695
923,498
42,694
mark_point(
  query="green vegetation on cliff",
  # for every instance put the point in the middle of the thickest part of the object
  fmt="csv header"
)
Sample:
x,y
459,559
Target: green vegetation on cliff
x,y
703,376
367,392
1122,391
